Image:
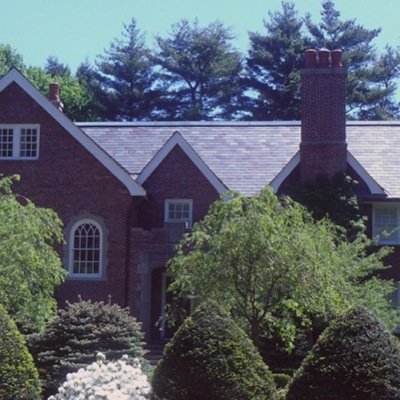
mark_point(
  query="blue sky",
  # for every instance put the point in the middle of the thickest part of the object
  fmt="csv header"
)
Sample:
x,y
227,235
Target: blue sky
x,y
73,30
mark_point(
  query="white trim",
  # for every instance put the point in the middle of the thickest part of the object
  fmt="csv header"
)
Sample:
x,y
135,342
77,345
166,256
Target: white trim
x,y
189,220
177,140
285,172
16,152
72,232
15,76
373,186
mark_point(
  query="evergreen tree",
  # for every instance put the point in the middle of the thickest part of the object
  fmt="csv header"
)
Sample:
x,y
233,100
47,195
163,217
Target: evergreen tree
x,y
273,64
128,78
202,71
19,378
370,87
355,358
210,357
54,67
74,337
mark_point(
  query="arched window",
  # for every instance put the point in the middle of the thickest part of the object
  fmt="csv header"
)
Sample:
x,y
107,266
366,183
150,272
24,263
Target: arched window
x,y
86,247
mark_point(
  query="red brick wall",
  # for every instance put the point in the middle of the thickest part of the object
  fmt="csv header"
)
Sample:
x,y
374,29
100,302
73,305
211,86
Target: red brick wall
x,y
176,177
323,121
70,180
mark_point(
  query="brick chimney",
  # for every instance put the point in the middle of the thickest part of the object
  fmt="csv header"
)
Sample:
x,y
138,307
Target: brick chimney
x,y
54,96
323,145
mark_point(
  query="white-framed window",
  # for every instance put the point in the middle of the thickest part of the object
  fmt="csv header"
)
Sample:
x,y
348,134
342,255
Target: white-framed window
x,y
86,250
19,142
179,210
385,223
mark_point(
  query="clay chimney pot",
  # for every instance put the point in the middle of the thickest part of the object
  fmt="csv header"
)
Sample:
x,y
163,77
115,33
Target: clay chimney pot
x,y
310,58
336,58
323,56
54,92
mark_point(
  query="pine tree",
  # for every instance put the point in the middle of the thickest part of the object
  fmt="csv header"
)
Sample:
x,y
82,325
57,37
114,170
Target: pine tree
x,y
273,64
127,78
201,70
74,337
370,87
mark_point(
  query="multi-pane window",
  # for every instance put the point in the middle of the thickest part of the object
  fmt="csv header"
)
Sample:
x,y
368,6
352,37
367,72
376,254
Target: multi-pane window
x,y
19,142
386,224
178,210
86,249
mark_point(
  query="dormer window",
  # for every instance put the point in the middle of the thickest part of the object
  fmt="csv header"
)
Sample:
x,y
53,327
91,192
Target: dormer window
x,y
19,142
179,210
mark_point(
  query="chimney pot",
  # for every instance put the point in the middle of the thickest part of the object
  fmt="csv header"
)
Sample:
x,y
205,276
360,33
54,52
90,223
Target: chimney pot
x,y
337,58
323,56
54,96
310,58
54,91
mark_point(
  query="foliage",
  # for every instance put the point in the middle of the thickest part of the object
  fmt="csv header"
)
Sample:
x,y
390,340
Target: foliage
x,y
202,71
335,199
355,358
272,265
106,381
275,58
210,357
369,87
19,378
30,268
73,338
127,78
10,58
273,66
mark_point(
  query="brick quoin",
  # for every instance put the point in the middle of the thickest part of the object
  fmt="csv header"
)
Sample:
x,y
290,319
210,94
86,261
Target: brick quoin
x,y
68,179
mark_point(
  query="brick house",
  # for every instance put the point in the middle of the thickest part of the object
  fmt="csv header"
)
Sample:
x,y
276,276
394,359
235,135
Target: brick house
x,y
126,192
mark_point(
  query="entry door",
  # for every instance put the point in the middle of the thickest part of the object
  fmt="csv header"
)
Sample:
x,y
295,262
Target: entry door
x,y
166,298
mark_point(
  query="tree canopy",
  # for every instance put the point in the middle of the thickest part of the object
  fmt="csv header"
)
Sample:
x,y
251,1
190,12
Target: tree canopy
x,y
127,77
268,261
195,72
30,267
202,71
273,67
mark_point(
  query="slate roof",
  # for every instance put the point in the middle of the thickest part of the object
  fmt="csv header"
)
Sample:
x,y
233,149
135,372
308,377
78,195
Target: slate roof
x,y
248,156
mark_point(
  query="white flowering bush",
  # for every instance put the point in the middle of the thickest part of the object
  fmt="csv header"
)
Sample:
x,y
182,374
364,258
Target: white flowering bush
x,y
120,380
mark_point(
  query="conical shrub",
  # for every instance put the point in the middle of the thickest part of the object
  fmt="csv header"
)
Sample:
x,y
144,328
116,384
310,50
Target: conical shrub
x,y
355,358
19,378
211,358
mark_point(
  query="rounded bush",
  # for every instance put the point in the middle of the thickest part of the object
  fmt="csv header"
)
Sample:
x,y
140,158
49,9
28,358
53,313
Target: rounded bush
x,y
19,378
355,358
210,357
74,337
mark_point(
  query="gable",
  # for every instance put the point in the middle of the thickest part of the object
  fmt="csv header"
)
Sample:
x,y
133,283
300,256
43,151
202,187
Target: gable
x,y
14,78
177,140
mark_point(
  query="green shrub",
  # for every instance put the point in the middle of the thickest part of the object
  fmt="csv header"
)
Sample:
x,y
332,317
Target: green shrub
x,y
73,338
19,378
355,358
210,357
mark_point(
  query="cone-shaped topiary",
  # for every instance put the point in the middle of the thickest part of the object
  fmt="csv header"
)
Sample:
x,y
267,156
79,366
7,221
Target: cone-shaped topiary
x,y
355,358
73,338
19,378
211,358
